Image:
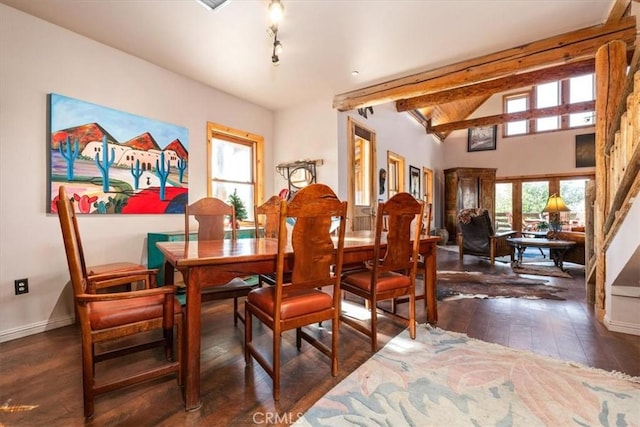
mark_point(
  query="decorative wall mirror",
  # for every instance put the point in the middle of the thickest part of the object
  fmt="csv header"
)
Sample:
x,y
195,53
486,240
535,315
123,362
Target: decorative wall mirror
x,y
298,174
301,176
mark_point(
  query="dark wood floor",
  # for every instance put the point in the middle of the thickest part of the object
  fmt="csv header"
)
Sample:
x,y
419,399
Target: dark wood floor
x,y
43,370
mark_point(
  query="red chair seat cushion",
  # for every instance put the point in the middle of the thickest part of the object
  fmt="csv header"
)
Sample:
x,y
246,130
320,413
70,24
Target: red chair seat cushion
x,y
109,314
295,303
387,280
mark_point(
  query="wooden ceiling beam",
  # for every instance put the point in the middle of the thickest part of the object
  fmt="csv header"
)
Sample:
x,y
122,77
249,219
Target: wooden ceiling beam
x,y
580,107
619,9
568,47
504,84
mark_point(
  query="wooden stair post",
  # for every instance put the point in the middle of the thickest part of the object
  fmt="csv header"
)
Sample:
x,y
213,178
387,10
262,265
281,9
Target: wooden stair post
x,y
611,64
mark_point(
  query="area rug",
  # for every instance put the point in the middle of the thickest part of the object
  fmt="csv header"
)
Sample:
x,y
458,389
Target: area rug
x,y
541,270
448,379
473,284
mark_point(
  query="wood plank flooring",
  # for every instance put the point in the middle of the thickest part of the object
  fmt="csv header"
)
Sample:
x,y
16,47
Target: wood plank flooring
x,y
44,370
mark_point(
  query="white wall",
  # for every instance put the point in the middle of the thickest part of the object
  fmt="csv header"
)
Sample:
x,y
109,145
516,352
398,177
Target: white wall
x,y
37,58
401,134
307,132
542,153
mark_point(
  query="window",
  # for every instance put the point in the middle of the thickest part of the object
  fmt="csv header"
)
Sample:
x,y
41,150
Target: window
x,y
552,94
395,176
582,89
516,104
520,201
362,170
235,159
548,95
573,193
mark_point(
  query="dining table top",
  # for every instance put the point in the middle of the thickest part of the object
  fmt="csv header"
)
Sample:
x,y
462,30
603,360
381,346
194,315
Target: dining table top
x,y
212,252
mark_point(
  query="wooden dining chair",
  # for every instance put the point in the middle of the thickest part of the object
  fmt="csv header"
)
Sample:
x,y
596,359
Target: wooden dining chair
x,y
313,294
211,213
108,317
392,271
269,212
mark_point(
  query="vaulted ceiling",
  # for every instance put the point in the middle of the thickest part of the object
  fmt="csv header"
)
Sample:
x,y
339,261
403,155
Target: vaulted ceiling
x,y
444,97
415,53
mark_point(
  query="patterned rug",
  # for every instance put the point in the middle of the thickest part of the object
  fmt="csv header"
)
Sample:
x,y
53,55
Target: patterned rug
x,y
474,284
448,379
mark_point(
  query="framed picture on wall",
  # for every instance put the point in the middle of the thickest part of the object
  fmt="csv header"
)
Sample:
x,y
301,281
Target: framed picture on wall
x,y
414,182
482,138
586,150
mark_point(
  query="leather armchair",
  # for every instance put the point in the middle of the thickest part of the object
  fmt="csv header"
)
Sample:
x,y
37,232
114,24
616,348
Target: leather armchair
x,y
476,235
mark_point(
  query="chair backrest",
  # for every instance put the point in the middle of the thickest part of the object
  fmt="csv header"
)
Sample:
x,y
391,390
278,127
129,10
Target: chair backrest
x,y
271,212
210,214
401,211
314,250
475,226
72,244
475,221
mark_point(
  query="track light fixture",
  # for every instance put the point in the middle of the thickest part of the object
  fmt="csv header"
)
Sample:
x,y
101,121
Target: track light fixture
x,y
277,50
276,12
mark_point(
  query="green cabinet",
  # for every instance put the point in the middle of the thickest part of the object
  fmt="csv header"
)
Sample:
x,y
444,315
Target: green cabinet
x,y
155,258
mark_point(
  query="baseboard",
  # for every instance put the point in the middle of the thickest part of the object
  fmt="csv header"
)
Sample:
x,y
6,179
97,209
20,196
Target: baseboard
x,y
623,327
35,328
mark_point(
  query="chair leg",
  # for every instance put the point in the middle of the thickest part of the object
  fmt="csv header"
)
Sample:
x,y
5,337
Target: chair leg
x,y
298,338
412,316
247,334
276,363
179,350
88,374
374,325
335,326
235,311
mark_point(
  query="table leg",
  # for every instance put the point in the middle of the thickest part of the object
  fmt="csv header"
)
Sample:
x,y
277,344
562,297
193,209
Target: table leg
x,y
191,358
518,261
558,257
430,294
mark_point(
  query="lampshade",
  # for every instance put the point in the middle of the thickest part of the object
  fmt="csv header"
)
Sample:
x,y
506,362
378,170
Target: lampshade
x,y
555,204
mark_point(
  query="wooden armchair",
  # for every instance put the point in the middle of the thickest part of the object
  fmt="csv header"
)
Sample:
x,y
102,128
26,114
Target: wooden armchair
x,y
476,236
210,213
301,302
392,271
109,317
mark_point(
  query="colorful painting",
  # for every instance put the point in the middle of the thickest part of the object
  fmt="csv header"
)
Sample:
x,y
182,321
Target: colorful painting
x,y
114,162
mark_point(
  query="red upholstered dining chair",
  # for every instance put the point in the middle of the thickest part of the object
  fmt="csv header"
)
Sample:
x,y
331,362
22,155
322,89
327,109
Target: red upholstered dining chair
x,y
107,317
313,294
392,272
210,213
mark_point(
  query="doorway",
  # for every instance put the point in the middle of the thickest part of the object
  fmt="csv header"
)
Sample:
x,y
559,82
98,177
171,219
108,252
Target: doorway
x,y
362,176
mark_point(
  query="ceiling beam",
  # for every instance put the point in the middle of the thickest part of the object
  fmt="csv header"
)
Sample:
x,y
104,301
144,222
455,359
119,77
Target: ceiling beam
x,y
504,84
619,9
579,107
568,47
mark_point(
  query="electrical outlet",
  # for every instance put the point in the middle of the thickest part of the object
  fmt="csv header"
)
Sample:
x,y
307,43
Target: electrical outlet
x,y
22,286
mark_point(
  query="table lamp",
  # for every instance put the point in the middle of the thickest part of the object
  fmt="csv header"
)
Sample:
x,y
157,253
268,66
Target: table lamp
x,y
554,206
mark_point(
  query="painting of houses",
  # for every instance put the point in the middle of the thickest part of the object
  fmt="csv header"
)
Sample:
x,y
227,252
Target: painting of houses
x,y
113,162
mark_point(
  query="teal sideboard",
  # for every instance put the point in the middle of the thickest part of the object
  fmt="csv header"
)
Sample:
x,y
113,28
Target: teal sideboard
x,y
155,258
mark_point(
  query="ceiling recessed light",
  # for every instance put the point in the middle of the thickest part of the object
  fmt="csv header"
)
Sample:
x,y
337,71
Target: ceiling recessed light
x,y
355,72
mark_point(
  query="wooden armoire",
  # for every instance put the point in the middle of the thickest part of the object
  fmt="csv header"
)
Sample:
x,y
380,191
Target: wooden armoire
x,y
466,188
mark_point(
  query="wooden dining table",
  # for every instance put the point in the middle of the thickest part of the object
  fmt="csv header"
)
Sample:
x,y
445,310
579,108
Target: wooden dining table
x,y
215,262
